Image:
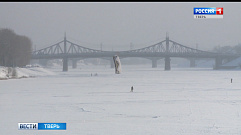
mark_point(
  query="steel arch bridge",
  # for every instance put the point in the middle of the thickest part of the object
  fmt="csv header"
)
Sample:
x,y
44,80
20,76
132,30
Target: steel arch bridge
x,y
164,49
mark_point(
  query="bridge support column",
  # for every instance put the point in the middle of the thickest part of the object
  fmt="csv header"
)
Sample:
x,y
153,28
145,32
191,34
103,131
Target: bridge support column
x,y
192,63
112,63
74,63
218,63
154,63
65,64
167,63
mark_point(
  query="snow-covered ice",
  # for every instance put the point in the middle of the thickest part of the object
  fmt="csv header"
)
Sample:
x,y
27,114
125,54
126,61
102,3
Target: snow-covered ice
x,y
185,101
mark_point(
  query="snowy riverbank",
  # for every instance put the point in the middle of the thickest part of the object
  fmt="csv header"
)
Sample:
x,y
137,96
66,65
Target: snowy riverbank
x,y
17,73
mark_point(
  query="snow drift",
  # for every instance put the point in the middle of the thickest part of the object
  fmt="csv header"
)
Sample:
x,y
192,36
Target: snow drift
x,y
30,71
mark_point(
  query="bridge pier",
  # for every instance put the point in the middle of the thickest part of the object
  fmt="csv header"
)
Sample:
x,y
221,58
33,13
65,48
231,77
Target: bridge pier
x,y
74,63
65,64
154,63
112,63
167,63
218,63
192,62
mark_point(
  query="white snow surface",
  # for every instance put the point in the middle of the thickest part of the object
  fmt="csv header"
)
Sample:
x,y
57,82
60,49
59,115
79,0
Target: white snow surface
x,y
177,102
3,72
34,71
25,72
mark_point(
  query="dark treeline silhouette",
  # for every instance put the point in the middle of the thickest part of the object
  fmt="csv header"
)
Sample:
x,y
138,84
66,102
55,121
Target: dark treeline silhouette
x,y
15,50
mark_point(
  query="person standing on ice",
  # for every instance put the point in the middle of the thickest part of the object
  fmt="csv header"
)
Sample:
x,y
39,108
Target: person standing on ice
x,y
132,88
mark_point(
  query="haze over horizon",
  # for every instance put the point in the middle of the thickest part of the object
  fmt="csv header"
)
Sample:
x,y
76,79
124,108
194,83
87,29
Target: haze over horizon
x,y
118,24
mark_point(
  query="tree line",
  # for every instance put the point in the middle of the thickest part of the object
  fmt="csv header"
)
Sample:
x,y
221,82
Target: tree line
x,y
15,50
228,49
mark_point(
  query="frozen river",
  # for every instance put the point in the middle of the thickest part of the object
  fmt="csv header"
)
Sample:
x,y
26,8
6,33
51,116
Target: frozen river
x,y
177,102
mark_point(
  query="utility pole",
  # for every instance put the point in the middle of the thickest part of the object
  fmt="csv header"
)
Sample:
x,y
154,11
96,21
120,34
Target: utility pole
x,y
65,58
167,58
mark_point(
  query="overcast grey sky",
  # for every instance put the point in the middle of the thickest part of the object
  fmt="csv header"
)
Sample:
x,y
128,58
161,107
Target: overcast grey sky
x,y
118,24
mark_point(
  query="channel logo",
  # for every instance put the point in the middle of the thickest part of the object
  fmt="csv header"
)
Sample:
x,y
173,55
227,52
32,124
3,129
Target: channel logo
x,y
208,12
51,126
41,126
27,126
